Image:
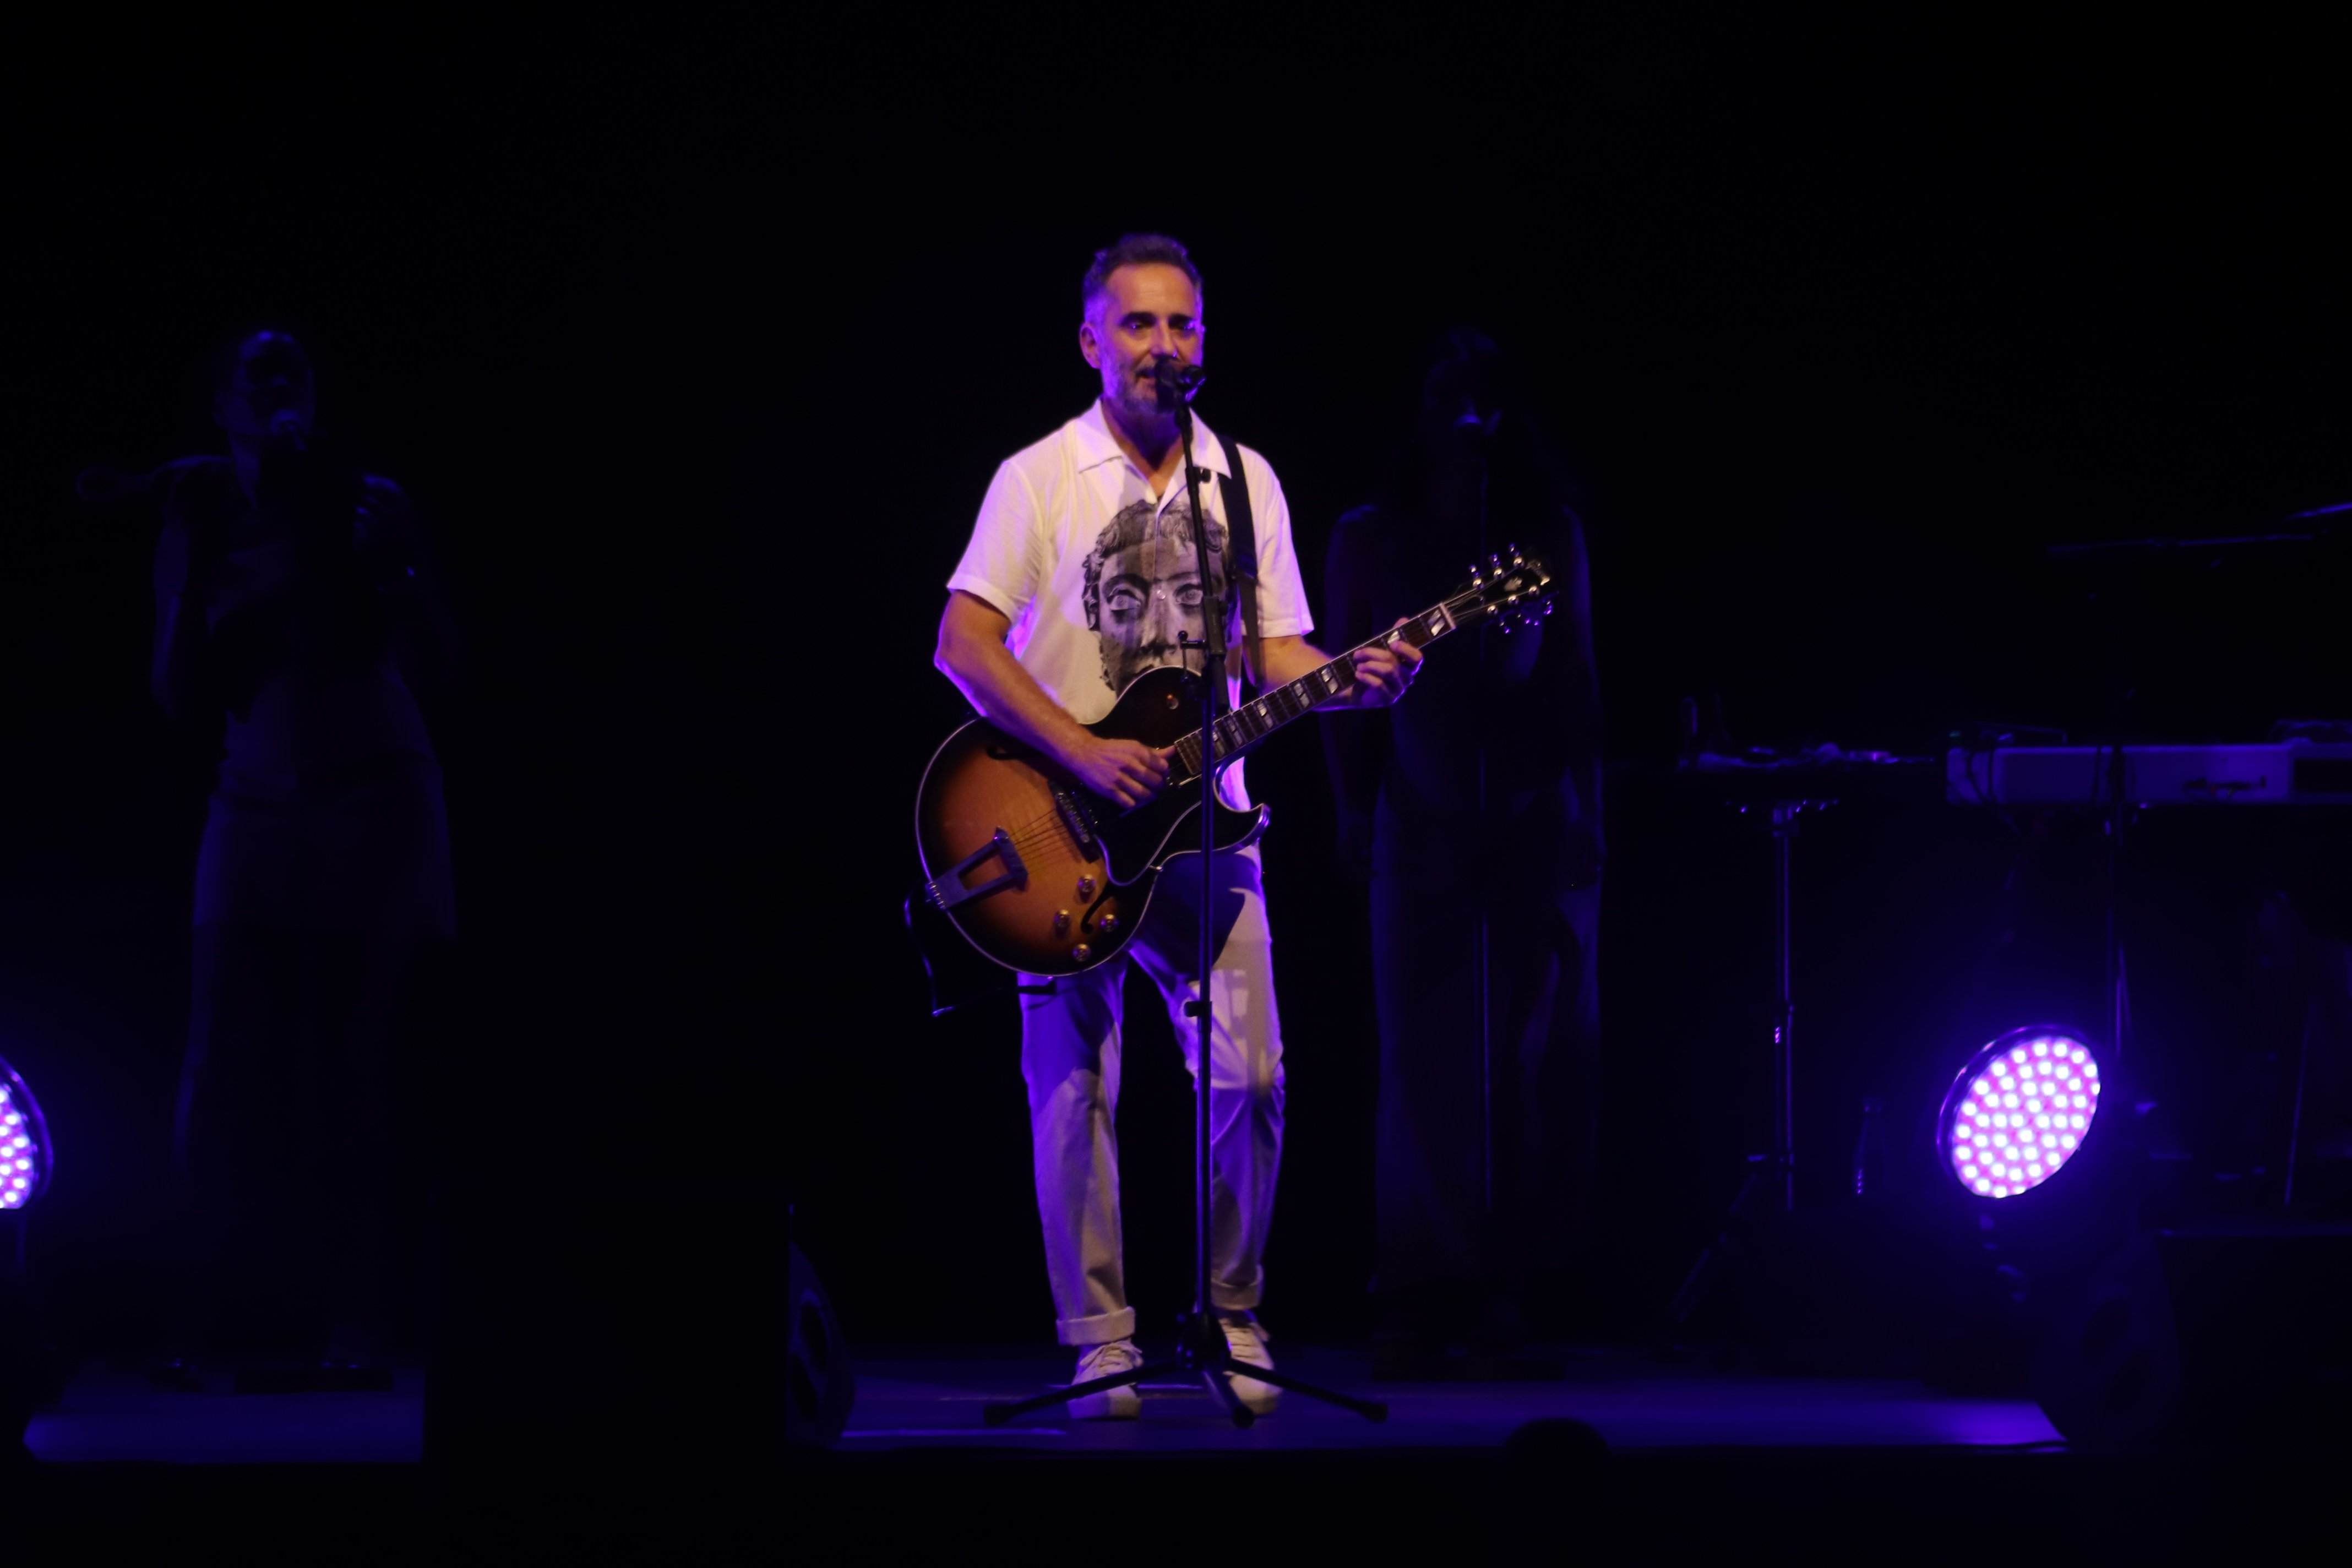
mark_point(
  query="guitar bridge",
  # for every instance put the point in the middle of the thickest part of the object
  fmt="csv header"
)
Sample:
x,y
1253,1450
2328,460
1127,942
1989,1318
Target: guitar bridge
x,y
1076,818
946,891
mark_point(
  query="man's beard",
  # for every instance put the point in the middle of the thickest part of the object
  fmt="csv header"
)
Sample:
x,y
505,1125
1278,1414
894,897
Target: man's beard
x,y
1139,397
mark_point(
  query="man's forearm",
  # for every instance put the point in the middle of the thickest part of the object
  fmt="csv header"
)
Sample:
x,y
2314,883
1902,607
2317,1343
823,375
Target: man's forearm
x,y
1281,660
179,646
1009,696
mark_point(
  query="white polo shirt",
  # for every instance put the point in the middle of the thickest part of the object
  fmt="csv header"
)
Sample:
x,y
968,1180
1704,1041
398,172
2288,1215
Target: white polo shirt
x,y
1098,577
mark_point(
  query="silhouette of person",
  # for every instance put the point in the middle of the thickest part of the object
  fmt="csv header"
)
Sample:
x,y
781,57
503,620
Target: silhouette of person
x,y
1475,815
297,621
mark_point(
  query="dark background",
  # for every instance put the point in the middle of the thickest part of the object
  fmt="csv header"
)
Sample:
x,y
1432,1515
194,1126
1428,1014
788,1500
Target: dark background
x,y
698,335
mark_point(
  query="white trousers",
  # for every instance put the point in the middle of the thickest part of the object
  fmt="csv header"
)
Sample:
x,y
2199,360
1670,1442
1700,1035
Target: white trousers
x,y
1070,1054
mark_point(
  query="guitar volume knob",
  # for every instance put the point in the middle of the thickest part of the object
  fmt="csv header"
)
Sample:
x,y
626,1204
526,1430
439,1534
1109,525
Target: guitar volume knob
x,y
1085,887
1061,923
1081,952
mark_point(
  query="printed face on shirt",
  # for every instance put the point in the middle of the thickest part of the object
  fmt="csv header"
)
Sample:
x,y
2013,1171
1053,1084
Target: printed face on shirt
x,y
1144,314
1143,588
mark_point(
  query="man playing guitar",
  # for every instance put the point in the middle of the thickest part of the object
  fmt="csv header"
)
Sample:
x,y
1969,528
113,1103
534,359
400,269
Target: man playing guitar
x,y
1081,574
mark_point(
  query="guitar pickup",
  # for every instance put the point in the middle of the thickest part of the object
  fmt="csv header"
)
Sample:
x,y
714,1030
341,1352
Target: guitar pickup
x,y
947,890
1076,818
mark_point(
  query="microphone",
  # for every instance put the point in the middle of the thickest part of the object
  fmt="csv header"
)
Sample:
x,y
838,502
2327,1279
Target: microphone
x,y
1176,381
286,427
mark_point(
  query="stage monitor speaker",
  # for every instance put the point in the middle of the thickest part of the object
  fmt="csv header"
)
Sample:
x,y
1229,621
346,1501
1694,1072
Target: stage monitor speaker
x,y
819,1389
2209,1338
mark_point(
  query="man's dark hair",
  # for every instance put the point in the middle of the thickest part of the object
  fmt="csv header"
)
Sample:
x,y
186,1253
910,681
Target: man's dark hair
x,y
1465,363
1135,251
221,367
1528,476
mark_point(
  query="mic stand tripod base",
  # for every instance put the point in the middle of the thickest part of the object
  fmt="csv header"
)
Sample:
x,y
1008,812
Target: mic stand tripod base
x,y
1201,1351
1765,1171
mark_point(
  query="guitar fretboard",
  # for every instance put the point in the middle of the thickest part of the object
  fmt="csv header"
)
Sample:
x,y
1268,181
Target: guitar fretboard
x,y
1252,722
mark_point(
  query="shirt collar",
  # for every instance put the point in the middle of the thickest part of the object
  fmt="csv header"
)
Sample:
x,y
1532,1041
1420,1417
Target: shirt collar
x,y
1091,431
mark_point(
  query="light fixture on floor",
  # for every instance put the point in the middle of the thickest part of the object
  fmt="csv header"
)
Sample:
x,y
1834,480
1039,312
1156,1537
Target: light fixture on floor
x,y
32,1376
24,1154
2019,1111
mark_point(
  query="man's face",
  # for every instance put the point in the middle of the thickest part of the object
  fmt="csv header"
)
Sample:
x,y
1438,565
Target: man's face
x,y
1143,313
272,378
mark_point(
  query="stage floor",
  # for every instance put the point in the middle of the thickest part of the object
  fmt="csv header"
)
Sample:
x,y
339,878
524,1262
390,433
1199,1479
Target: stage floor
x,y
111,1416
932,1398
1691,1461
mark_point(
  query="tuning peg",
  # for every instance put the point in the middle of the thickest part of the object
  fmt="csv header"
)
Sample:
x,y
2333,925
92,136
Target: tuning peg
x,y
1513,552
1546,609
1495,560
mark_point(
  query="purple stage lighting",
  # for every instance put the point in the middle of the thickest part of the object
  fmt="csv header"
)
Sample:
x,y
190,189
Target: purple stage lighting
x,y
2018,1112
24,1142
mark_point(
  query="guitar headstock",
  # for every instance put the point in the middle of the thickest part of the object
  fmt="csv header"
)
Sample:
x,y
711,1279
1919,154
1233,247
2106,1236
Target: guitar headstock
x,y
1513,589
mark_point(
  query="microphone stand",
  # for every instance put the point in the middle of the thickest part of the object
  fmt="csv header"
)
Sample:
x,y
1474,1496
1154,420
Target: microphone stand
x,y
1201,1347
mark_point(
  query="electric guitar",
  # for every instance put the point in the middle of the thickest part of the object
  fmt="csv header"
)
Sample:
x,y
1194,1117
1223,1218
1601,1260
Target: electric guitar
x,y
1043,875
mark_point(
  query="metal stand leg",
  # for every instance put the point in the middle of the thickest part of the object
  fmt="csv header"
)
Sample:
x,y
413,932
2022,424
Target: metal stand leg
x,y
1771,1176
1784,1011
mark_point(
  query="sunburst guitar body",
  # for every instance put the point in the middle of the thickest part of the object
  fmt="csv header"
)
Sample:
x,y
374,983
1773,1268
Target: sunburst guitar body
x,y
1039,872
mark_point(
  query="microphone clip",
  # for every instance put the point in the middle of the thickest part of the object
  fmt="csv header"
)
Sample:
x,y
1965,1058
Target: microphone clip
x,y
1176,383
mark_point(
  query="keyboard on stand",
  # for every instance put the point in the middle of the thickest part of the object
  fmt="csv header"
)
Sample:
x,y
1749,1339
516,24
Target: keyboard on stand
x,y
2295,773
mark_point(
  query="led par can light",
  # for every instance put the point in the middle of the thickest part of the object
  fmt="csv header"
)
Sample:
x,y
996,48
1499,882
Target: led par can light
x,y
2019,1112
25,1157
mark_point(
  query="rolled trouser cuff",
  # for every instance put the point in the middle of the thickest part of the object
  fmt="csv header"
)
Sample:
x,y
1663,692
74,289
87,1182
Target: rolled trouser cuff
x,y
1101,1331
1227,1297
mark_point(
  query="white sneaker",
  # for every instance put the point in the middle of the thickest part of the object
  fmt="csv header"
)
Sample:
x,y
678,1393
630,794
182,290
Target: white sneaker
x,y
1111,1405
1247,1341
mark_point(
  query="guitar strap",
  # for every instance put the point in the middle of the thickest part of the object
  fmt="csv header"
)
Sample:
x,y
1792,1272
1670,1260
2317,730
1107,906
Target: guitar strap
x,y
1241,543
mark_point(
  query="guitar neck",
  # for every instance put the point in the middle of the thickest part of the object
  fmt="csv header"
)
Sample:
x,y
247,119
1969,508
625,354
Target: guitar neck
x,y
1252,722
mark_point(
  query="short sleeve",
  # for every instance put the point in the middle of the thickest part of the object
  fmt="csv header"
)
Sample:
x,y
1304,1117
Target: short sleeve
x,y
1282,609
388,502
1001,563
